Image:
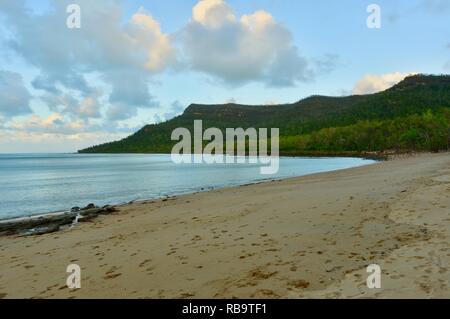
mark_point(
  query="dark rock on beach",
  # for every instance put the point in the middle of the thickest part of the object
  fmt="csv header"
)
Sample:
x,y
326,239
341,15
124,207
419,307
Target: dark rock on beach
x,y
44,224
108,210
90,212
19,225
42,230
87,218
89,206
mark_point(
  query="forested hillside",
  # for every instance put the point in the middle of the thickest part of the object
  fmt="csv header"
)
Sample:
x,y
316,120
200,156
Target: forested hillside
x,y
412,115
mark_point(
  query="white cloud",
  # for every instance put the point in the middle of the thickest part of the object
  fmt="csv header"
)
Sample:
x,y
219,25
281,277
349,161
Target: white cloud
x,y
18,141
95,78
87,107
126,53
119,51
377,83
160,53
236,50
213,13
176,108
54,123
62,124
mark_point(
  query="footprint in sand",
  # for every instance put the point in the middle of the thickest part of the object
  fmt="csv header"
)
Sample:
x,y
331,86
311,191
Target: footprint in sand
x,y
111,274
142,264
265,293
259,274
299,284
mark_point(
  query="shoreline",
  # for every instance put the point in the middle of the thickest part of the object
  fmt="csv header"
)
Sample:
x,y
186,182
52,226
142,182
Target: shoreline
x,y
373,155
380,156
303,237
68,215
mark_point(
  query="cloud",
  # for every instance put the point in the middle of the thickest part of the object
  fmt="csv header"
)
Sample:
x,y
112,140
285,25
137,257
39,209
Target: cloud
x,y
147,32
54,123
59,124
18,141
213,13
236,50
84,108
130,91
176,108
14,97
125,54
93,78
377,83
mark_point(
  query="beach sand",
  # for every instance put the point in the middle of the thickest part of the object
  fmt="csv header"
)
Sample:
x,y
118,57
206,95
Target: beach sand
x,y
306,237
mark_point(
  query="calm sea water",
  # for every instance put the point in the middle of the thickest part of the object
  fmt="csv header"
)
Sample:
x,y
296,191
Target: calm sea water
x,y
40,183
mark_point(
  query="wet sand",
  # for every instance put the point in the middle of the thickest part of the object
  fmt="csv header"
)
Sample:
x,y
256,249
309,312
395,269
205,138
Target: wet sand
x,y
306,237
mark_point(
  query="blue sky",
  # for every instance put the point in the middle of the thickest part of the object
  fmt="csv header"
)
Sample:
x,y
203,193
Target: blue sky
x,y
137,62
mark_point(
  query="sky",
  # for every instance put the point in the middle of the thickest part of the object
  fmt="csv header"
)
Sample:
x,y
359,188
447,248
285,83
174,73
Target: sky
x,y
129,63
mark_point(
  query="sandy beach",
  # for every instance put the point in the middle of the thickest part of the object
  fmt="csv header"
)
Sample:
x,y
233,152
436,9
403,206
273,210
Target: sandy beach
x,y
306,237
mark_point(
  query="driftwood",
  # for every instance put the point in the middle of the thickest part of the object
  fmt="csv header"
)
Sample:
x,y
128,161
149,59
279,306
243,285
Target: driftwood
x,y
44,224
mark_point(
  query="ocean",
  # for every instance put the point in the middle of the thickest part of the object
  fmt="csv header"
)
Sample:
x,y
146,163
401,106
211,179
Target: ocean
x,y
32,184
